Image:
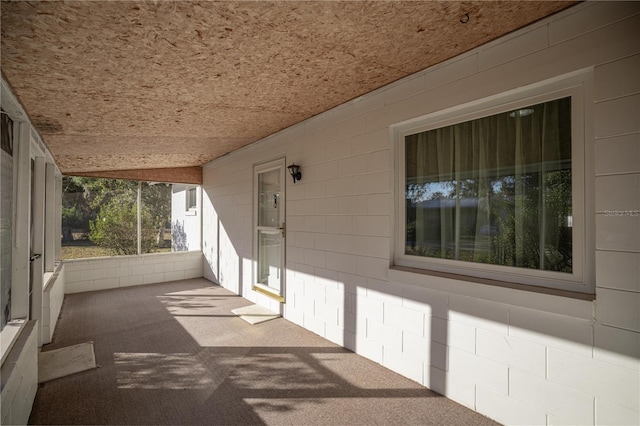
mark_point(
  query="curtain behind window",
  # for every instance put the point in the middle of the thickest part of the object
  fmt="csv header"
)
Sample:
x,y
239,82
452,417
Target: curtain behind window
x,y
493,190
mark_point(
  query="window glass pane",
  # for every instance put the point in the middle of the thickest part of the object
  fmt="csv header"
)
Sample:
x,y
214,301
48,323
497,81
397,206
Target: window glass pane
x,y
6,218
269,198
192,201
269,255
493,190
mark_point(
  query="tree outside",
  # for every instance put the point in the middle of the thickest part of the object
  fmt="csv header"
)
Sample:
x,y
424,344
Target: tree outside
x,y
99,217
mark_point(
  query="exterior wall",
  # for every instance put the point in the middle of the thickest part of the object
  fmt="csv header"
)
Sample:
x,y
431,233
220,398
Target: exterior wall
x,y
35,226
185,224
516,356
20,377
103,273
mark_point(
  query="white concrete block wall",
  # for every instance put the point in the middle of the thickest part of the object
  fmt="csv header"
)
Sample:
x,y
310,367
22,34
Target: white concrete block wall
x,y
19,377
516,356
52,298
189,220
103,273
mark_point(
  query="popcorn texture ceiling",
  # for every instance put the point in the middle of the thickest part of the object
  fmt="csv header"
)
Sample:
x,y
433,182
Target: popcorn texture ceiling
x,y
126,85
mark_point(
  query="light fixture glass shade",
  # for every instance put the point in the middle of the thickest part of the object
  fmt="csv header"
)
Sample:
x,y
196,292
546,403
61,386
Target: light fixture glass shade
x,y
294,170
523,112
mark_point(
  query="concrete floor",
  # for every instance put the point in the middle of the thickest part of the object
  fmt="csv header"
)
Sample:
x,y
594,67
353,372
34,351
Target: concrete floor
x,y
174,353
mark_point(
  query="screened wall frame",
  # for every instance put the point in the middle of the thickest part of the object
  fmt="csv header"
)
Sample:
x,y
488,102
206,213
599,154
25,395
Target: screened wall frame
x,y
577,86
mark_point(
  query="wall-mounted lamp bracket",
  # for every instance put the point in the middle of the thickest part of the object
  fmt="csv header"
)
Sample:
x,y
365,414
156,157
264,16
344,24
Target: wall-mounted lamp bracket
x,y
294,170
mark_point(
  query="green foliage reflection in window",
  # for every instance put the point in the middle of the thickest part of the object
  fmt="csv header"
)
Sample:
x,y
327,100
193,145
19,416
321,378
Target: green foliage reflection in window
x,y
493,190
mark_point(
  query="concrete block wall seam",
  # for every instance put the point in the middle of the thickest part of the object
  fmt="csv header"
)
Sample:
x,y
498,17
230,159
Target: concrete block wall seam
x,y
616,346
606,381
593,17
617,155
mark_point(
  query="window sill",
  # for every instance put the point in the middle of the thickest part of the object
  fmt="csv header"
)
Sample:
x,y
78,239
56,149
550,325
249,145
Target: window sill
x,y
579,305
191,212
9,336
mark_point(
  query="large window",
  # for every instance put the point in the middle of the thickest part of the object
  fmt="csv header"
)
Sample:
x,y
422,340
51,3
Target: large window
x,y
6,218
495,191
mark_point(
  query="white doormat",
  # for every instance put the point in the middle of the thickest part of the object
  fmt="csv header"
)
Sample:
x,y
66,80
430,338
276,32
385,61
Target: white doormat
x,y
255,314
65,361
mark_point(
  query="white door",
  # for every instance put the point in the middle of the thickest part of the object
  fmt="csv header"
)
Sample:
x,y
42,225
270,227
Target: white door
x,y
269,232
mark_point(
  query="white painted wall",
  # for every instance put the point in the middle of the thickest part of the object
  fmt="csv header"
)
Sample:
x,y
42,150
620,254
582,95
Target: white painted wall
x,y
515,356
32,317
20,377
101,273
52,298
183,221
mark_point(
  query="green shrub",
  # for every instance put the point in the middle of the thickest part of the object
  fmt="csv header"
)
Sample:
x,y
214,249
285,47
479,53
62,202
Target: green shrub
x,y
115,228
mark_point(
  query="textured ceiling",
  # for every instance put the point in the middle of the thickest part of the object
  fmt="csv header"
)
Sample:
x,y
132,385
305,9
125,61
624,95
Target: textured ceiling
x,y
143,85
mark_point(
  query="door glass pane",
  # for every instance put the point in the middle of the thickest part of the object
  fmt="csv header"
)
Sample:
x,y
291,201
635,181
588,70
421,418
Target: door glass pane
x,y
269,198
269,267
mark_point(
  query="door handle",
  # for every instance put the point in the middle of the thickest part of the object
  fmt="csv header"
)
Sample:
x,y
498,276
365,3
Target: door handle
x,y
282,230
35,257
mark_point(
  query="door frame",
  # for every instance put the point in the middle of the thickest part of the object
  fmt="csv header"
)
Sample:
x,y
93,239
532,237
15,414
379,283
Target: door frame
x,y
257,169
36,233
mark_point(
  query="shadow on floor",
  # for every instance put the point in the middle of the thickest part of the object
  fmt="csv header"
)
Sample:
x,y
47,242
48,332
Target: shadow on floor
x,y
173,353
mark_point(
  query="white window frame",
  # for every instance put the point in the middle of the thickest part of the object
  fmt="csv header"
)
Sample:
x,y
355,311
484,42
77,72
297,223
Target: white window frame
x,y
582,279
191,209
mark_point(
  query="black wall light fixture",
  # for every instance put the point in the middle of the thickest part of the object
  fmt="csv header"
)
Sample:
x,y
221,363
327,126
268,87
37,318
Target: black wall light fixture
x,y
294,169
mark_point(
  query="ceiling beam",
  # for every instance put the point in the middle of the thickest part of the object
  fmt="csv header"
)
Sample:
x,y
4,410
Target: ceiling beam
x,y
191,175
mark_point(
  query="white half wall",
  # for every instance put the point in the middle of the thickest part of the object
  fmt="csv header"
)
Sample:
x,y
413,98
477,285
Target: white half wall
x,y
515,356
20,377
52,298
103,273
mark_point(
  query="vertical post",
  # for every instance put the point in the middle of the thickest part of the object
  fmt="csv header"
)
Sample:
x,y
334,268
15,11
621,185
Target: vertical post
x,y
139,205
50,217
37,242
58,219
22,212
199,198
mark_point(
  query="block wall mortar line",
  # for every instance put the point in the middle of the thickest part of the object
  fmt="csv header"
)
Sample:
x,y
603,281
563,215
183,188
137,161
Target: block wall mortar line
x,y
603,138
613,61
616,174
614,136
615,98
619,289
475,340
546,362
475,397
614,326
615,251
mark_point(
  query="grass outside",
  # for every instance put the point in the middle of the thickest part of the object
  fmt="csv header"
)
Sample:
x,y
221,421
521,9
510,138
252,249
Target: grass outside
x,y
84,249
